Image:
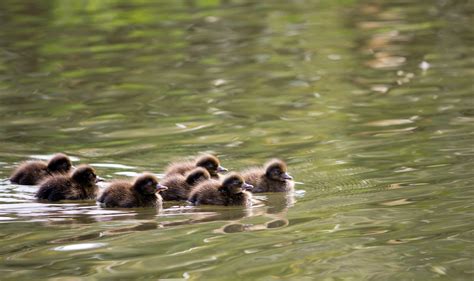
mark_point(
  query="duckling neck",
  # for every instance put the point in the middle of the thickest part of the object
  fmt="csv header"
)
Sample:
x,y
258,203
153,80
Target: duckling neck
x,y
146,199
235,198
89,191
274,181
48,171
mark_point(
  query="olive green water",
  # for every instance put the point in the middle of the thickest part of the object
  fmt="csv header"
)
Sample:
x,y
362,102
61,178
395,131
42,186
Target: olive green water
x,y
370,102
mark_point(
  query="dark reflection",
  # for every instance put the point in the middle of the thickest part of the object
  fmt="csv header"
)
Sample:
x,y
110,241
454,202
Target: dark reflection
x,y
279,202
272,206
144,226
140,226
84,237
144,219
202,214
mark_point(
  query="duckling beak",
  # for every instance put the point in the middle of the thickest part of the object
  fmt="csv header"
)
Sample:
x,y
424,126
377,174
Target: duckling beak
x,y
98,179
160,187
221,169
247,186
286,176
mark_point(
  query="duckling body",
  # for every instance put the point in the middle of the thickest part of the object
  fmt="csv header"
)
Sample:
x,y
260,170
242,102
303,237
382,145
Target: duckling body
x,y
231,191
179,186
81,185
140,193
30,173
208,162
271,178
33,172
180,168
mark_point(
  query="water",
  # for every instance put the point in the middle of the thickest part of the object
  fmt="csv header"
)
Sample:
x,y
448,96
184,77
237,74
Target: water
x,y
370,103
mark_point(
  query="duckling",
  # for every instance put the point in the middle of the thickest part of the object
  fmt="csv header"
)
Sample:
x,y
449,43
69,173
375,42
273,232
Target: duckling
x,y
143,192
208,162
80,185
33,172
272,178
179,185
231,191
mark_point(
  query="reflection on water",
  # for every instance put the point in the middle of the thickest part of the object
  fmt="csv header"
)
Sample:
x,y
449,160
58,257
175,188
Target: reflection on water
x,y
370,103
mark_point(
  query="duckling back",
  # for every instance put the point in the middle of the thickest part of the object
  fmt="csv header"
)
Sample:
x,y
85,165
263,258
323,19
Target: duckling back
x,y
207,193
179,186
262,183
122,194
56,188
118,194
180,168
254,176
30,173
177,190
78,186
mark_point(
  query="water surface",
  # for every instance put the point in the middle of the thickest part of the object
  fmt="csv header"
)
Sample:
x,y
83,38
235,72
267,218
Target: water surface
x,y
370,103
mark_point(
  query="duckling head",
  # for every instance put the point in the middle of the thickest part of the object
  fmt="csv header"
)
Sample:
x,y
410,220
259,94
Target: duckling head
x,y
148,184
234,184
277,170
59,163
211,164
196,175
85,175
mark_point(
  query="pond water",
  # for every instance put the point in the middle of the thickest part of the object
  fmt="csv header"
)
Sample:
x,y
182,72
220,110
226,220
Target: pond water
x,y
370,103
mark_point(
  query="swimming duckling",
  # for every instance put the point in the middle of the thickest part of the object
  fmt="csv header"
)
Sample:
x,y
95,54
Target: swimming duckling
x,y
80,185
272,178
143,192
179,186
208,162
231,191
32,172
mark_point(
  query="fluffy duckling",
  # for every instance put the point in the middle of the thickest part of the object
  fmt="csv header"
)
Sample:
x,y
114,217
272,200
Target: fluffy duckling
x,y
231,191
32,172
143,192
271,178
80,185
208,162
179,186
